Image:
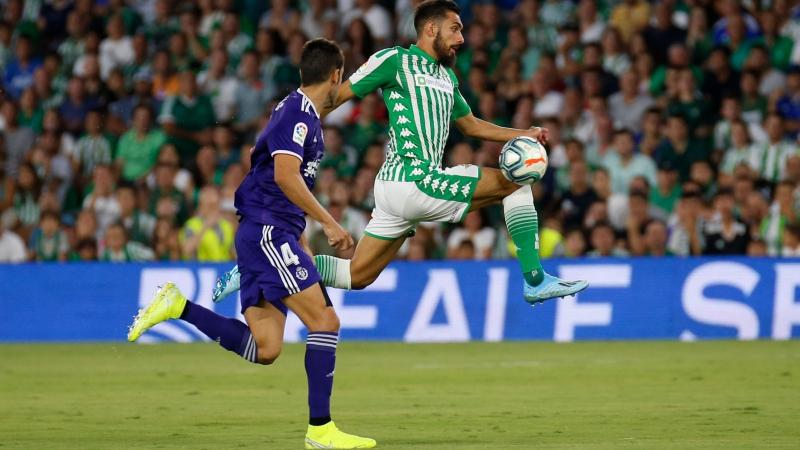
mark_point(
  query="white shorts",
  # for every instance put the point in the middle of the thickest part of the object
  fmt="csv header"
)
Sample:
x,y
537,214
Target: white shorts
x,y
442,196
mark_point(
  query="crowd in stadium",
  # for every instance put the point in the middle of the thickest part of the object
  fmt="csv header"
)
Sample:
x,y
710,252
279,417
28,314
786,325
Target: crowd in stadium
x,y
126,126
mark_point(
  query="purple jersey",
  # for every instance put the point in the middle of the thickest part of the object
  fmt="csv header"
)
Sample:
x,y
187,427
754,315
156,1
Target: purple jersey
x,y
294,129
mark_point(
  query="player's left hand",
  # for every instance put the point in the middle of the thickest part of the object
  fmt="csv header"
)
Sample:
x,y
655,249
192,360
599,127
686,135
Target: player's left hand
x,y
540,134
338,237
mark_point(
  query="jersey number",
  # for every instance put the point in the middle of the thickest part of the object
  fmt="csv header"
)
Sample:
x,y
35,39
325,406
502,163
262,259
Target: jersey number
x,y
289,258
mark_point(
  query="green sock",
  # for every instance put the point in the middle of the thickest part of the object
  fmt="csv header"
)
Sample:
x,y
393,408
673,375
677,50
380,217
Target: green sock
x,y
335,272
523,226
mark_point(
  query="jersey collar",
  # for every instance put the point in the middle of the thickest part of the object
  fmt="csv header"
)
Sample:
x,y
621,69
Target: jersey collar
x,y
309,101
420,52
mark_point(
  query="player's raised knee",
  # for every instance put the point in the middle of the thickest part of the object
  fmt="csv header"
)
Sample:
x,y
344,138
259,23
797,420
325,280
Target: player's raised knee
x,y
268,354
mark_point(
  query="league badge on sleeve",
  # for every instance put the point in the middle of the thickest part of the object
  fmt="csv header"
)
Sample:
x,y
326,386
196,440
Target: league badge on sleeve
x,y
300,132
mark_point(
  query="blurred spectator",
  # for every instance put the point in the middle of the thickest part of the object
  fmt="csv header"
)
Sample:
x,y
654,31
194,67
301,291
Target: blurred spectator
x,y
662,32
679,149
166,243
769,158
753,103
782,212
623,164
12,247
685,226
574,243
219,86
474,231
138,148
655,239
76,106
791,241
629,105
590,22
187,118
84,250
724,234
138,224
629,17
375,16
101,199
603,241
26,198
579,197
117,247
366,128
93,148
788,105
667,191
48,241
338,155
464,250
116,50
720,79
19,69
249,96
18,140
208,236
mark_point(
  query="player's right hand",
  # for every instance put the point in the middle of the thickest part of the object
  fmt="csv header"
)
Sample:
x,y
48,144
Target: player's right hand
x,y
338,237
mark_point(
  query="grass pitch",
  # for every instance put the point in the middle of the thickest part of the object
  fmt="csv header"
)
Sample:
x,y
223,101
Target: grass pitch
x,y
634,395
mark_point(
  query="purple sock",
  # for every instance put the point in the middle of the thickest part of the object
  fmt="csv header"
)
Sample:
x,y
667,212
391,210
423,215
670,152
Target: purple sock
x,y
231,334
320,364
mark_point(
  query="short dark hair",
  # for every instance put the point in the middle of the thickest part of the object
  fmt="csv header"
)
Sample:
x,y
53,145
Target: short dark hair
x,y
433,10
319,59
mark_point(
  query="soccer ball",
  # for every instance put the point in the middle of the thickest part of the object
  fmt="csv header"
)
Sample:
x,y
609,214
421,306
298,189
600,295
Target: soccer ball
x,y
523,160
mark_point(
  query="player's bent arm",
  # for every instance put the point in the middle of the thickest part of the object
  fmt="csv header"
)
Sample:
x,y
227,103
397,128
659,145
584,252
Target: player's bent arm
x,y
344,94
289,180
487,131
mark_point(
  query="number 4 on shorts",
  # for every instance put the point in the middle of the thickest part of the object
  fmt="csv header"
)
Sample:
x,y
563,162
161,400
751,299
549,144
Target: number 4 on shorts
x,y
289,258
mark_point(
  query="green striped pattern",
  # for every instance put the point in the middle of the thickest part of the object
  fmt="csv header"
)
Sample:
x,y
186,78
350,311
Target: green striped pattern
x,y
420,104
523,220
523,227
326,266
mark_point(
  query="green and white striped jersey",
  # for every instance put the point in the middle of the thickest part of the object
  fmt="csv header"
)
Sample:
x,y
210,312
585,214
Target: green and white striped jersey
x,y
422,97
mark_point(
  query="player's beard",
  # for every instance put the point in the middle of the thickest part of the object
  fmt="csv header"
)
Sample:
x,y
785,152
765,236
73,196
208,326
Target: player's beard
x,y
443,51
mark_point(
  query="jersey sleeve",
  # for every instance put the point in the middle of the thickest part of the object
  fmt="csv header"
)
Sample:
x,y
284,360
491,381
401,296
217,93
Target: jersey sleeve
x,y
379,71
290,136
460,106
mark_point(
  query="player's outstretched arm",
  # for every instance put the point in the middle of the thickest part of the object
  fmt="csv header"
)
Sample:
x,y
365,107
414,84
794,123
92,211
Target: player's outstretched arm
x,y
487,131
288,178
345,93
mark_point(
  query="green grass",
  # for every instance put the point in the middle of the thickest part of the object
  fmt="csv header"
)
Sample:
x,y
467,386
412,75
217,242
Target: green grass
x,y
636,395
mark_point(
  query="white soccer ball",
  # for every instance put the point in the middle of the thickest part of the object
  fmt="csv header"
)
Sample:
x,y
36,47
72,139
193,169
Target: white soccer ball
x,y
523,160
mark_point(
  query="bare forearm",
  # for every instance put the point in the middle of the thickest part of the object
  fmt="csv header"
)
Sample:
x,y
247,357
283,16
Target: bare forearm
x,y
490,132
297,192
487,131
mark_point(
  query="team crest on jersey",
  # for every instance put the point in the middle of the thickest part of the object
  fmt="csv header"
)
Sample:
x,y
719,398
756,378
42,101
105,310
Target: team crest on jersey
x,y
300,132
301,273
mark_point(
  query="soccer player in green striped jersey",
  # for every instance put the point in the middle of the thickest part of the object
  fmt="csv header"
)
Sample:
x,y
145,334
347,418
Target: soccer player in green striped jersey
x,y
422,96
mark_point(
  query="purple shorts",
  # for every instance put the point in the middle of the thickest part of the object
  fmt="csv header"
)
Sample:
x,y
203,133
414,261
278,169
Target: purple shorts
x,y
272,265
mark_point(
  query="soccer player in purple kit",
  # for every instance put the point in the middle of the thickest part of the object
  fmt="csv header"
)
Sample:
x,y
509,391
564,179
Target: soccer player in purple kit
x,y
276,272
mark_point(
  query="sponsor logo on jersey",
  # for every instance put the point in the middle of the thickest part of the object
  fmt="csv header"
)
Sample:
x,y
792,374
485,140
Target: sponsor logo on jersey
x,y
433,83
